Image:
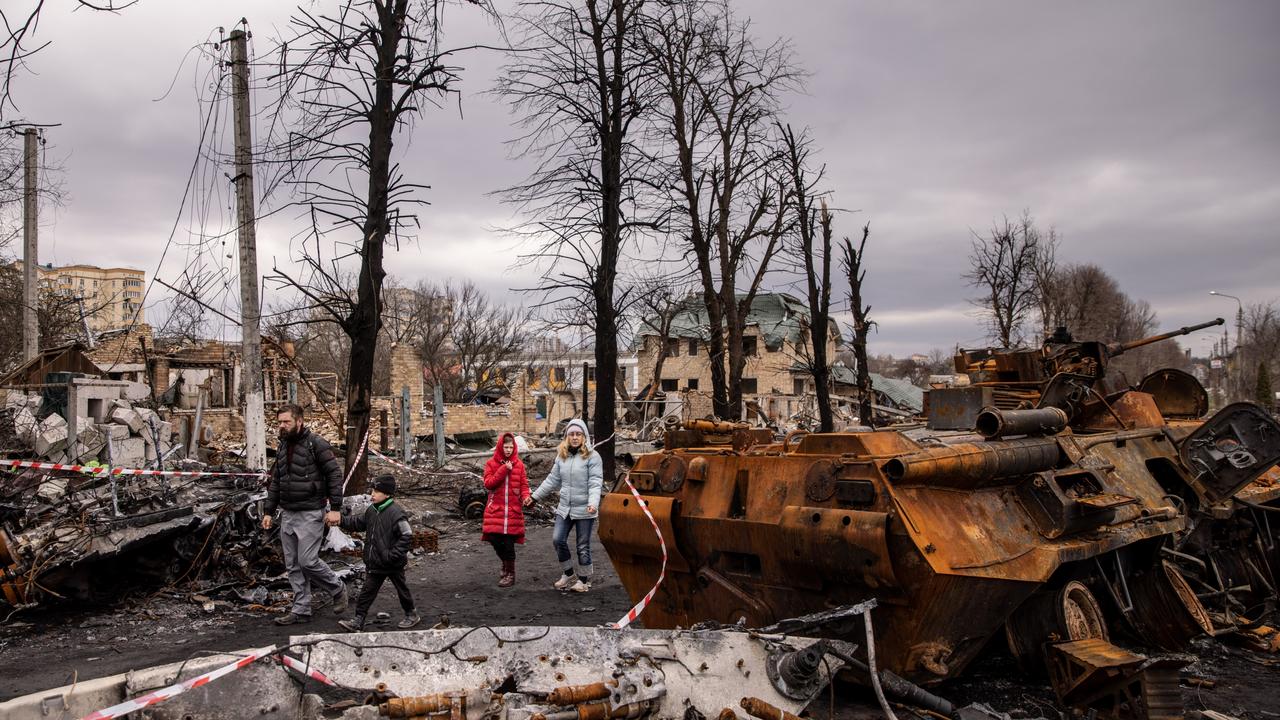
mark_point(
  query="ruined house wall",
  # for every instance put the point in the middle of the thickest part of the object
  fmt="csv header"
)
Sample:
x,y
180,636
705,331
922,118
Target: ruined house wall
x,y
406,370
122,347
770,369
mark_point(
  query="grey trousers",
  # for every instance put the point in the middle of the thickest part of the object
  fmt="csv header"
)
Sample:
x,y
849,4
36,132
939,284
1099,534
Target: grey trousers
x,y
301,532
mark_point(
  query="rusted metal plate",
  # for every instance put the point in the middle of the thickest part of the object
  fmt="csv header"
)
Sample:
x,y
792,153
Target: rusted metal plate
x,y
987,533
957,408
1176,393
1133,409
836,541
863,445
629,531
820,481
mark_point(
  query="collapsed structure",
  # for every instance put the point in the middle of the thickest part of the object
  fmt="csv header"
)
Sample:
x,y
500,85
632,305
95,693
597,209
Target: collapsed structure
x,y
1057,507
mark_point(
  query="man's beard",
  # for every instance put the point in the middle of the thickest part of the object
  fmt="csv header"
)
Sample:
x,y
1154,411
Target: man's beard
x,y
290,435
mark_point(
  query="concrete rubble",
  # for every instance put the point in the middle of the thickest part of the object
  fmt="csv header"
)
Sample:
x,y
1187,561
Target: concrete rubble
x,y
516,673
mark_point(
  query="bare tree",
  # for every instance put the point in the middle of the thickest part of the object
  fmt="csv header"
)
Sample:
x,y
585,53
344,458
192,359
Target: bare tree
x,y
730,204
581,84
813,253
352,81
854,270
468,342
51,191
19,43
1003,266
659,301
58,314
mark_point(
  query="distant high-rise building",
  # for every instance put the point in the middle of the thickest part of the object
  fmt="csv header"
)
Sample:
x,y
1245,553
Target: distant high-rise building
x,y
112,296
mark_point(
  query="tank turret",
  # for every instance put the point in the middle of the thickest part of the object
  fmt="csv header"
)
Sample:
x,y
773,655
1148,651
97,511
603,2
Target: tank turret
x,y
1063,373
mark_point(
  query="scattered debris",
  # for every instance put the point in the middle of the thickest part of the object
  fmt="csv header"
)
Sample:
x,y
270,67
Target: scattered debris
x,y
518,673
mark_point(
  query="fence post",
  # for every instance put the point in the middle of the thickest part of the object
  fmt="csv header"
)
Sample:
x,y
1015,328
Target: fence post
x,y
406,427
438,430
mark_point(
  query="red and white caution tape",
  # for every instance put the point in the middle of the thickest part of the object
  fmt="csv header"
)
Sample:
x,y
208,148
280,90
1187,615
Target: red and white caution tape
x,y
303,669
420,471
105,470
351,470
634,612
159,696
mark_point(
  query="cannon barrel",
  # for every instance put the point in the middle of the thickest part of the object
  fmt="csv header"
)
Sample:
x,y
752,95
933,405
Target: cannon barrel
x,y
1118,348
971,465
995,423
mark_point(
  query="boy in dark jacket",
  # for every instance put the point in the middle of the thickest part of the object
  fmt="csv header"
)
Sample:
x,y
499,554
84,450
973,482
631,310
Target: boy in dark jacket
x,y
387,536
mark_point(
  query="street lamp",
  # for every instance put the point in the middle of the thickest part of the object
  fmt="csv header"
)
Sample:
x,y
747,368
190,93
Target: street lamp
x,y
1239,314
1239,353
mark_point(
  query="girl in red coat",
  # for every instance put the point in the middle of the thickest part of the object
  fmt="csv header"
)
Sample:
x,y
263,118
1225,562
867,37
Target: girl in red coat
x,y
508,486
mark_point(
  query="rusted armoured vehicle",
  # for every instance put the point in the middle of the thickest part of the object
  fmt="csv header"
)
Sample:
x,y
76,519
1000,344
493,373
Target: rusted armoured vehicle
x,y
1047,502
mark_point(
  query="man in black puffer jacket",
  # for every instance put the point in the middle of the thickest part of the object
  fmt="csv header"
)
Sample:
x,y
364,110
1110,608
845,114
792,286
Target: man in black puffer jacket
x,y
387,537
305,478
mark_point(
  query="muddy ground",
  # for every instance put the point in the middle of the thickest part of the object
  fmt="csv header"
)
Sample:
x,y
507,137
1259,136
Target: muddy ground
x,y
46,648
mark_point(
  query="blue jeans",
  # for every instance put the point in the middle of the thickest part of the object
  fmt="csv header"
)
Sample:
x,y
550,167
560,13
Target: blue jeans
x,y
560,539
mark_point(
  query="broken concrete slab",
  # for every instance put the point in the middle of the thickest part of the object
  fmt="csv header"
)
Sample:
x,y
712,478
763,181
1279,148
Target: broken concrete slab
x,y
114,431
50,437
24,425
52,490
129,453
129,418
89,444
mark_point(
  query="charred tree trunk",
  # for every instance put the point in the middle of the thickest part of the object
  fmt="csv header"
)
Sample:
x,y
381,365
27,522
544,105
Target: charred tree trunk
x,y
861,325
366,317
819,287
717,358
612,79
813,227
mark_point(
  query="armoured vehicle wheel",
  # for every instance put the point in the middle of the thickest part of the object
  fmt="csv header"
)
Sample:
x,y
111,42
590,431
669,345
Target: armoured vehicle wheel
x,y
1067,613
1166,611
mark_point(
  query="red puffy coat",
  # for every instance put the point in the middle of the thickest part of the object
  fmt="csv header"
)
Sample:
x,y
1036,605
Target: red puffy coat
x,y
504,513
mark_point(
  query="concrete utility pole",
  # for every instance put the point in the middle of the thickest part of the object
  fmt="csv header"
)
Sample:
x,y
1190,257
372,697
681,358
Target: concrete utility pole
x,y
251,338
30,250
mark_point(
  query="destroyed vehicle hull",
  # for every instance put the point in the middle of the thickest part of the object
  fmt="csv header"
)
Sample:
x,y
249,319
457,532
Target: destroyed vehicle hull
x,y
512,673
1037,539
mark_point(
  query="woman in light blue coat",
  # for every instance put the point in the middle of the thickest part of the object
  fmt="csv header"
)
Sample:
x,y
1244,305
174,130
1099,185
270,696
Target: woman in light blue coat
x,y
579,476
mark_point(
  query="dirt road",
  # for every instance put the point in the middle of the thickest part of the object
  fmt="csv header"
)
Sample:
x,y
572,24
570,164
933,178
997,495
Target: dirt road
x,y
48,649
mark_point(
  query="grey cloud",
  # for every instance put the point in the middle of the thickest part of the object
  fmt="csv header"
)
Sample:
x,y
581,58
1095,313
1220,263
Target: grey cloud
x,y
1144,131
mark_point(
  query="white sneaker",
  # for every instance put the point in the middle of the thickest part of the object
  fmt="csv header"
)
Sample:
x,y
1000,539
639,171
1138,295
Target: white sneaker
x,y
565,581
580,587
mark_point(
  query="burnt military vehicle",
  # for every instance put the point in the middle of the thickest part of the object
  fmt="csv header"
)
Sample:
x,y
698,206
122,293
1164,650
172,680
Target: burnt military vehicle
x,y
1048,502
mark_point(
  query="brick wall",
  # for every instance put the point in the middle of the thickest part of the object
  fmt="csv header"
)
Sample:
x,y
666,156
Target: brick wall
x,y
770,369
406,370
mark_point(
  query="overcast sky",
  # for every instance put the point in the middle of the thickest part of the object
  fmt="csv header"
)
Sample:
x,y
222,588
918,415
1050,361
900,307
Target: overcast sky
x,y
1148,133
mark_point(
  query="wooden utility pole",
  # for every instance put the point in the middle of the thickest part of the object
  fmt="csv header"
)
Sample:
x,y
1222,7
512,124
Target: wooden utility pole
x,y
30,250
251,339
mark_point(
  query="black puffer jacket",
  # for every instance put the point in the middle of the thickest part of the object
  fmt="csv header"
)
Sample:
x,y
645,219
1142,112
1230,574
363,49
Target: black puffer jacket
x,y
305,476
387,536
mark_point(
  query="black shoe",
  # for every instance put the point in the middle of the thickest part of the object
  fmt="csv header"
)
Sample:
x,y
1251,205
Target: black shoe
x,y
410,620
293,619
355,624
341,601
